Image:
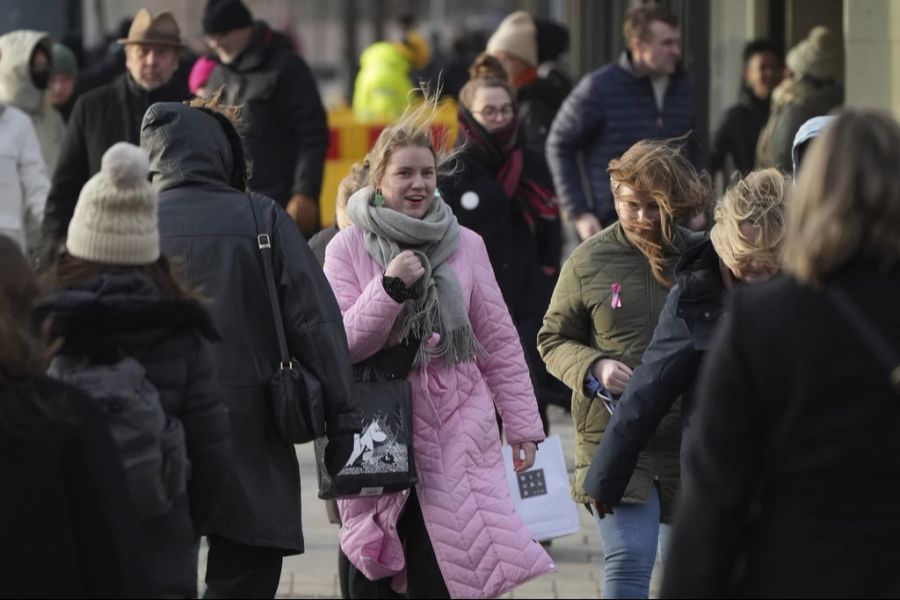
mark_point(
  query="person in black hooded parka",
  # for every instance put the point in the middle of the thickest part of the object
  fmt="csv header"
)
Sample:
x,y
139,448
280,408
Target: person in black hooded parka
x,y
205,217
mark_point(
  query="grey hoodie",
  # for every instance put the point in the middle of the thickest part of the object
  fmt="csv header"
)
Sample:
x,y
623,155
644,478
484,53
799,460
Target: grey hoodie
x,y
18,89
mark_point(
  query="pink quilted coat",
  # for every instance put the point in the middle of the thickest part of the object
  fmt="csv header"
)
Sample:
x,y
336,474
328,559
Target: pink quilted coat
x,y
480,542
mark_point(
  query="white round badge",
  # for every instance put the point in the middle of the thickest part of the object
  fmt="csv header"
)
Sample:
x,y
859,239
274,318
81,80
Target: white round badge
x,y
469,200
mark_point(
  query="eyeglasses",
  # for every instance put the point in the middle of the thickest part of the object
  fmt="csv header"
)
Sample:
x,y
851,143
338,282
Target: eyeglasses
x,y
489,112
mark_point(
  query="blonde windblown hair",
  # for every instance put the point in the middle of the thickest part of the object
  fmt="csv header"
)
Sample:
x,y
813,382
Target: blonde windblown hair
x,y
660,169
412,129
759,200
846,206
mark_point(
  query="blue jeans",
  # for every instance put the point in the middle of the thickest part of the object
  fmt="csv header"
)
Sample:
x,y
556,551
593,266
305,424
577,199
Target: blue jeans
x,y
631,537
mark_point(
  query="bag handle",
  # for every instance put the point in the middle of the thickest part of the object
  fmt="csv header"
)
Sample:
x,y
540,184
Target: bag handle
x,y
264,243
876,342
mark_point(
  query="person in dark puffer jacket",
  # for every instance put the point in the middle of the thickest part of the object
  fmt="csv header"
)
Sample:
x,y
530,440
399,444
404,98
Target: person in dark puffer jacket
x,y
114,295
745,249
646,94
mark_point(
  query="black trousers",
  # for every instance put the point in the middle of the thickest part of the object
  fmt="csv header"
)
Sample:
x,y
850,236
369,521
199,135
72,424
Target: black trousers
x,y
235,570
423,576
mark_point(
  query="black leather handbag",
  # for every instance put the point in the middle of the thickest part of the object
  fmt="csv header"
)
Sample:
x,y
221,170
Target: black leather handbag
x,y
295,393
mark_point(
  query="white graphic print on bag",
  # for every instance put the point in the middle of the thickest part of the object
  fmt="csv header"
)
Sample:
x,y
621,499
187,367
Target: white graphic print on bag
x,y
376,450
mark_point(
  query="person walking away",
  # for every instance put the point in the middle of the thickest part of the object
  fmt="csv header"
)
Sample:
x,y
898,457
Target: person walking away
x,y
646,94
63,75
515,44
287,135
504,192
601,317
734,142
26,61
205,214
66,483
115,302
811,90
798,401
112,113
744,249
455,534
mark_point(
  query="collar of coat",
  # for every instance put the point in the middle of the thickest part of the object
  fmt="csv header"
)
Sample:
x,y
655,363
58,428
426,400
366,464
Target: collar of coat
x,y
698,274
625,64
120,308
263,43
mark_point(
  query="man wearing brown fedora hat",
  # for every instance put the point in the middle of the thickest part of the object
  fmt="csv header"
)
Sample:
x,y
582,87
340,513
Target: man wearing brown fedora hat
x,y
113,112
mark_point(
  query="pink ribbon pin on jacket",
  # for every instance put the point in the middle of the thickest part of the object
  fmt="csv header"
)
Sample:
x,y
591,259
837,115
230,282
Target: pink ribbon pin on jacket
x,y
616,295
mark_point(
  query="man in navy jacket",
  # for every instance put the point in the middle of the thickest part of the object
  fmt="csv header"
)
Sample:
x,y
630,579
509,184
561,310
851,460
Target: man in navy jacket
x,y
644,95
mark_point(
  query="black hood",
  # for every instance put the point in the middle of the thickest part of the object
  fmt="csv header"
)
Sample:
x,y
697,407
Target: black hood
x,y
120,308
187,146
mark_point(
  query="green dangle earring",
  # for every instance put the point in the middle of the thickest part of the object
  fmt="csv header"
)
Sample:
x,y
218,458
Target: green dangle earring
x,y
378,200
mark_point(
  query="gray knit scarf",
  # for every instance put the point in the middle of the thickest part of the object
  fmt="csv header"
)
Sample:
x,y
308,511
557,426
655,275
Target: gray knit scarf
x,y
439,305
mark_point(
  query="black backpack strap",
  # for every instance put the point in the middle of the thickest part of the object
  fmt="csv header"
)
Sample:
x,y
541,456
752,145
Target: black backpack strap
x,y
874,340
264,243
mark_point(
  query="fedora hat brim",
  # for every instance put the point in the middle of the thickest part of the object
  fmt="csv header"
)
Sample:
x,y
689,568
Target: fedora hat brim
x,y
153,41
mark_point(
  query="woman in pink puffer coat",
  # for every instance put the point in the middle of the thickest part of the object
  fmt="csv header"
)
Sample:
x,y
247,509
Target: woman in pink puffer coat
x,y
407,271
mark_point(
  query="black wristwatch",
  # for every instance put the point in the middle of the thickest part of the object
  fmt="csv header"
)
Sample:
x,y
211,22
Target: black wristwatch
x,y
396,289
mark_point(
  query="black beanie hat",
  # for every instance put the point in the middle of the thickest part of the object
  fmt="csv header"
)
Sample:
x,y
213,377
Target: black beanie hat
x,y
552,40
222,16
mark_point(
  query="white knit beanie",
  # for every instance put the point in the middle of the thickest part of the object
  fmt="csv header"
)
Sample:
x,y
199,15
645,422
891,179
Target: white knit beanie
x,y
115,219
517,34
815,56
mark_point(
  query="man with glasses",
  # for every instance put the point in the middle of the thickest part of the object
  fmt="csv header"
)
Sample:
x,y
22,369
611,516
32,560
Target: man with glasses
x,y
646,94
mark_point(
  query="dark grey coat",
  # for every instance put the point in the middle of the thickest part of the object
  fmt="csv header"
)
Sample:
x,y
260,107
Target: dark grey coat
x,y
109,114
124,312
286,133
791,480
210,226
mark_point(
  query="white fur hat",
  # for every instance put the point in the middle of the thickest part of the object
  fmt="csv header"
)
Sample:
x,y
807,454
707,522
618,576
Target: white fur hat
x,y
115,220
517,34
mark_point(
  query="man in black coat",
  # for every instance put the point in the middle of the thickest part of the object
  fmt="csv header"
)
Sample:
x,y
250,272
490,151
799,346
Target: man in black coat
x,y
113,112
286,134
206,219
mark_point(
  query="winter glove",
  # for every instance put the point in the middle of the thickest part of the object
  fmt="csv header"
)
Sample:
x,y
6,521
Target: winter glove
x,y
337,452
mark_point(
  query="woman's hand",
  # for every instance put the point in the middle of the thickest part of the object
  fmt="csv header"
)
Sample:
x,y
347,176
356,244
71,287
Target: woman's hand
x,y
407,267
520,462
614,375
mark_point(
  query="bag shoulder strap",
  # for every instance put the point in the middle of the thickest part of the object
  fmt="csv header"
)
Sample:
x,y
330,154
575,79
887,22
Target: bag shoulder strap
x,y
876,342
264,243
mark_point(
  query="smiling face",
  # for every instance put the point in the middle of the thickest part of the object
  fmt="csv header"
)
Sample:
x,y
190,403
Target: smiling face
x,y
409,181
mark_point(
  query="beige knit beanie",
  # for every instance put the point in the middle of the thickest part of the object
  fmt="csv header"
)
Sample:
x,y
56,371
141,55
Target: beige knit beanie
x,y
517,34
115,219
815,56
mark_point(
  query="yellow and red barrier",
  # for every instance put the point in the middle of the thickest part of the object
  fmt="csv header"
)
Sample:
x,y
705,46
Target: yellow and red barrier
x,y
350,141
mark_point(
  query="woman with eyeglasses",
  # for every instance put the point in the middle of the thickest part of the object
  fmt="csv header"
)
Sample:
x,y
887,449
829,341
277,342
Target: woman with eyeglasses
x,y
504,192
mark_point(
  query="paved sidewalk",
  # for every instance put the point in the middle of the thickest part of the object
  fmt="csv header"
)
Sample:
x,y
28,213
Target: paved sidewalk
x,y
313,574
